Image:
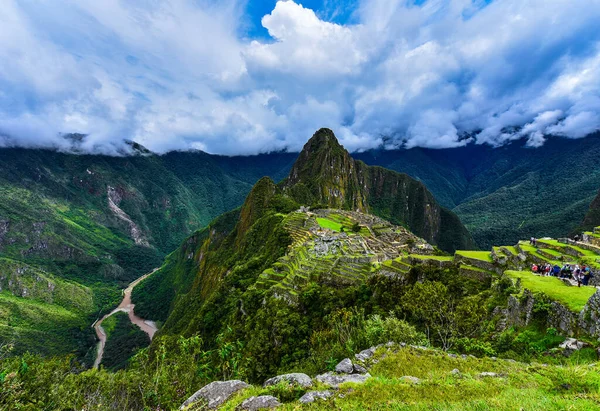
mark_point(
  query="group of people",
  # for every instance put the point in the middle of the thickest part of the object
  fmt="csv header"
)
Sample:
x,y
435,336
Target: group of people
x,y
580,274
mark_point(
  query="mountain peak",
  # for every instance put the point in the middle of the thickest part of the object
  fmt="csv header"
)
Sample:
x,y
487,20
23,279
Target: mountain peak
x,y
323,139
325,173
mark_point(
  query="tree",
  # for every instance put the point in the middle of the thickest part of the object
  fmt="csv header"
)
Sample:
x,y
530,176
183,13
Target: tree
x,y
432,305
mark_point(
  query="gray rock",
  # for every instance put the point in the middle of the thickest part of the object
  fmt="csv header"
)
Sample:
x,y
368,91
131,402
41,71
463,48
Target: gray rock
x,y
365,354
489,374
334,380
300,379
359,369
345,366
263,402
410,379
215,393
455,371
452,355
312,396
571,344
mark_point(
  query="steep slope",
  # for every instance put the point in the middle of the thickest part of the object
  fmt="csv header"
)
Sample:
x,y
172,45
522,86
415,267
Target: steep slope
x,y
592,218
326,174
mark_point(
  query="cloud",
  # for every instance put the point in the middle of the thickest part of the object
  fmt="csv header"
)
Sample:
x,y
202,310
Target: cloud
x,y
180,74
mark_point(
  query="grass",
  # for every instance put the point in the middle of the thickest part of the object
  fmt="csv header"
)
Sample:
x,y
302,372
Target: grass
x,y
432,257
521,386
477,255
574,298
329,224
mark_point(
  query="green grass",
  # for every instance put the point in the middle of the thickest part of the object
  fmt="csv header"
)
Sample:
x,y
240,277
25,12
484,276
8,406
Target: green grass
x,y
38,326
329,224
553,252
574,298
477,255
522,386
477,269
432,257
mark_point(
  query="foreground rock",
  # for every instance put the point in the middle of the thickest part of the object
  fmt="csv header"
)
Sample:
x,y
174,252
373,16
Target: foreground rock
x,y
345,367
263,402
312,396
570,345
333,380
300,379
215,393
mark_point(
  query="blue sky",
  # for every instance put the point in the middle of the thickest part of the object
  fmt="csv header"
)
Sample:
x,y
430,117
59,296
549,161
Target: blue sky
x,y
243,77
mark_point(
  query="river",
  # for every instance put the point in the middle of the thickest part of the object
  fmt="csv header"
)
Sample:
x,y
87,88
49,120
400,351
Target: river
x,y
149,327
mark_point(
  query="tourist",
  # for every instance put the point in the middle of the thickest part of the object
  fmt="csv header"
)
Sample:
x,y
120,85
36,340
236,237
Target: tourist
x,y
556,271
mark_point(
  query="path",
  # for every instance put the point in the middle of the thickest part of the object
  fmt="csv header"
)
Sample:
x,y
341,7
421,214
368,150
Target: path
x,y
149,327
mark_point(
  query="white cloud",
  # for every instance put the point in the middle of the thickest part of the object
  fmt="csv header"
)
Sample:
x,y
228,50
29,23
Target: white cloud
x,y
177,74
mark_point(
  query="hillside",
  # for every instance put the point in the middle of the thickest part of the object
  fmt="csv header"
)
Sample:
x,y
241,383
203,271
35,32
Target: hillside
x,y
592,218
80,225
507,193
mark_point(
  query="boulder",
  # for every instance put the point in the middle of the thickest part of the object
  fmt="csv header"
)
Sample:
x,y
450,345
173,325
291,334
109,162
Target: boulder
x,y
334,380
297,378
263,402
359,369
455,371
365,354
215,393
345,367
570,345
312,396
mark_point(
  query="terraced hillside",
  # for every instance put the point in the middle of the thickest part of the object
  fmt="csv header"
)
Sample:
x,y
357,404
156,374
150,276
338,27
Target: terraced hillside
x,y
337,248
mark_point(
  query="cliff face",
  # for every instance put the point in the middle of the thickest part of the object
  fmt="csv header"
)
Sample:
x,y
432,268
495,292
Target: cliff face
x,y
592,218
325,175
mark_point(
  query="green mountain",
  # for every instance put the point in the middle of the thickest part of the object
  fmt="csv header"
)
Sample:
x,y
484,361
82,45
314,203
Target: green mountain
x,y
74,229
326,174
507,193
592,218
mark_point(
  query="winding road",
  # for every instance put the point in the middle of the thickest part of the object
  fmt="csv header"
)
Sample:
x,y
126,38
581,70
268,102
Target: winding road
x,y
149,327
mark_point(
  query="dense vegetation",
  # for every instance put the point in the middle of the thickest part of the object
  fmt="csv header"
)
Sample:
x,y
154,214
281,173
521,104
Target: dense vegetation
x,y
508,193
124,339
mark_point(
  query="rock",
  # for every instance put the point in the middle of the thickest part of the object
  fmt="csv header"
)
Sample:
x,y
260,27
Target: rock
x,y
365,354
410,379
488,374
300,379
359,369
334,380
455,371
263,402
345,367
452,355
215,393
312,396
571,344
